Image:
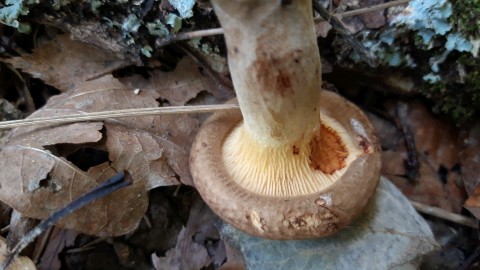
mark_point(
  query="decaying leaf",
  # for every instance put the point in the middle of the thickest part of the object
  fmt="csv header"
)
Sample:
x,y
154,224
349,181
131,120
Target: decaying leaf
x,y
58,240
470,160
435,148
153,149
389,235
65,64
473,203
181,86
198,244
20,263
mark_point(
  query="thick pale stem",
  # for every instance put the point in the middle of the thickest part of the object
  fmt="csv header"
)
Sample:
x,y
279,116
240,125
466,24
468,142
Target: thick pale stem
x,y
275,66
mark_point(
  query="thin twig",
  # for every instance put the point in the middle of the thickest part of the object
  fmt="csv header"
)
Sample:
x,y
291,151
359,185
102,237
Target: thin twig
x,y
188,35
116,114
219,31
338,26
443,214
374,8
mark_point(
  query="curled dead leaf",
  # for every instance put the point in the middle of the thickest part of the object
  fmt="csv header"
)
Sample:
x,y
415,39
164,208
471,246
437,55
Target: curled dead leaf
x,y
64,63
42,179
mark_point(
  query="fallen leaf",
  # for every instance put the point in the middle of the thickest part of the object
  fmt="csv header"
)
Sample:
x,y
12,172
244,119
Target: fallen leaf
x,y
57,241
180,86
470,161
390,234
436,145
470,158
20,263
167,214
65,64
198,244
41,179
473,203
7,112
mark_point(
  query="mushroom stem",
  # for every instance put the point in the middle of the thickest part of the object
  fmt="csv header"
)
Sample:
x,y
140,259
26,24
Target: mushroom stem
x,y
275,66
268,170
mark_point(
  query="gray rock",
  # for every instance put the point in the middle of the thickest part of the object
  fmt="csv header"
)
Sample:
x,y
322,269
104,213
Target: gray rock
x,y
389,235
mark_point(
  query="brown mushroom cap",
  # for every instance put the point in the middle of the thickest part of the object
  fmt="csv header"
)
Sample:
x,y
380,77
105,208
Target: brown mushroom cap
x,y
320,212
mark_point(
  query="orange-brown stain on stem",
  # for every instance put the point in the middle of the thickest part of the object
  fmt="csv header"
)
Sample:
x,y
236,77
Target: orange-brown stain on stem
x,y
272,74
327,151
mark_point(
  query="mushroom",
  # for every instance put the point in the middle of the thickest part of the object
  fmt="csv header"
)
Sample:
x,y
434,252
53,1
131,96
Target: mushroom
x,y
294,162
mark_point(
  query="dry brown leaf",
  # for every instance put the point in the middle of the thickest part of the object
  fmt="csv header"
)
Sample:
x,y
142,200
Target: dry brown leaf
x,y
57,241
192,250
20,263
439,183
180,86
473,203
153,149
65,64
470,158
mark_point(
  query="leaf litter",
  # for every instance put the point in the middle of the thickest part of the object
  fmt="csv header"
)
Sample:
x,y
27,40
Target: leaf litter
x,y
154,149
54,143
65,64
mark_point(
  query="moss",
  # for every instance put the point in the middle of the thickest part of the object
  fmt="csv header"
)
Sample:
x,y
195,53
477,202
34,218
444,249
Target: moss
x,y
458,93
465,17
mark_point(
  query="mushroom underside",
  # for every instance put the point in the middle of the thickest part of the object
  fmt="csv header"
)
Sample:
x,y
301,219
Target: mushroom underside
x,y
319,213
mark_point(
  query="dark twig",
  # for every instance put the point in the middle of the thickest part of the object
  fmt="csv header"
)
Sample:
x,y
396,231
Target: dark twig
x,y
111,185
338,26
412,165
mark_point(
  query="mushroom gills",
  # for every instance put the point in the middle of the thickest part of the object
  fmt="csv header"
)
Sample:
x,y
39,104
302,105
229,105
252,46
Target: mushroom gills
x,y
291,169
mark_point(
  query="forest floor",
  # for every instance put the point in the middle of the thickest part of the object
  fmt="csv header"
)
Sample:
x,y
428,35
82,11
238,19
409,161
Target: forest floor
x,y
429,150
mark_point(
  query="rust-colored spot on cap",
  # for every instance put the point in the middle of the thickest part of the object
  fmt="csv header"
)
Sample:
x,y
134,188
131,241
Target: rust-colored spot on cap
x,y
327,151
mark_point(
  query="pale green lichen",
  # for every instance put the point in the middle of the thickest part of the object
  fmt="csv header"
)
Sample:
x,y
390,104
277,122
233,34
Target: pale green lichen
x,y
131,23
12,9
184,7
174,21
444,32
157,28
147,51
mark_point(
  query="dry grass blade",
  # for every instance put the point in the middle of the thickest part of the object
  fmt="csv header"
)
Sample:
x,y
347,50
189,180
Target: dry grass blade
x,y
116,114
440,213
